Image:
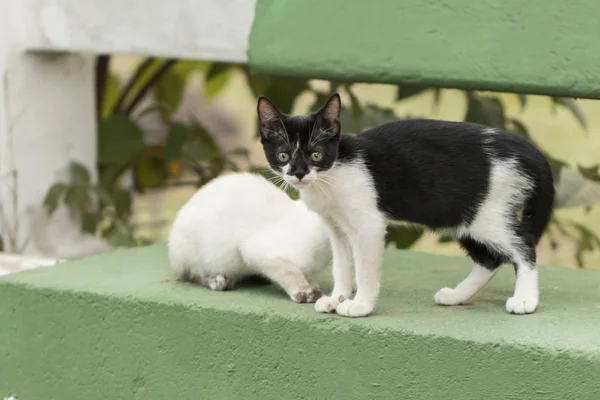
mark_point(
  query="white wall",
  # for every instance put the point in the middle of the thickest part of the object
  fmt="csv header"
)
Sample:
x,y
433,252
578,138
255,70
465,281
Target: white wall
x,y
47,97
46,120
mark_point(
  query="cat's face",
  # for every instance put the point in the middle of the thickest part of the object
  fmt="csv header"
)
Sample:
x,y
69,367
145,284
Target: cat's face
x,y
300,147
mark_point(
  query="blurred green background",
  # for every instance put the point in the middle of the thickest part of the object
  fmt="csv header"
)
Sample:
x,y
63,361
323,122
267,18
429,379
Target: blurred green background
x,y
166,127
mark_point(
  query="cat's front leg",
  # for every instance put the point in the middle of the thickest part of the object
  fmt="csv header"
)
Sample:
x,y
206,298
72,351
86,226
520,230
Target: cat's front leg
x,y
342,272
367,249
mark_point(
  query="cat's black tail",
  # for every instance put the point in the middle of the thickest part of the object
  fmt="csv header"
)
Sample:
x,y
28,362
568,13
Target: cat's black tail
x,y
538,207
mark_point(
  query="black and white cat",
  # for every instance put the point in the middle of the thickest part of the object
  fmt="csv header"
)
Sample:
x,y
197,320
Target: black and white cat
x,y
491,189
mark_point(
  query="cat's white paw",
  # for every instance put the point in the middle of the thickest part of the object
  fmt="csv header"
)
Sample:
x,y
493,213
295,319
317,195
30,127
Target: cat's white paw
x,y
353,308
220,282
447,297
328,304
522,304
306,294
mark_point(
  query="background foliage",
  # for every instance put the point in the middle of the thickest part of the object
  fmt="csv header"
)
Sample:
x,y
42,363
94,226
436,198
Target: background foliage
x,y
105,206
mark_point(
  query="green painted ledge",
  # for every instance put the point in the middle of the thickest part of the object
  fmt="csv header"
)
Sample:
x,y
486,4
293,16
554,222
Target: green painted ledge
x,y
538,47
109,327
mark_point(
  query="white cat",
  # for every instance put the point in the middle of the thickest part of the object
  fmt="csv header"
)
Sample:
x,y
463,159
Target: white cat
x,y
240,225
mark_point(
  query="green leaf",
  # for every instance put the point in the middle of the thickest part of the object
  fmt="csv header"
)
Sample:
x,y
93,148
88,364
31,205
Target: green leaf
x,y
121,237
259,84
169,91
522,100
572,106
143,79
54,196
112,92
76,197
232,165
199,151
556,165
186,67
89,221
150,110
217,69
283,92
123,201
142,241
275,180
240,151
590,173
372,116
406,91
588,241
517,126
202,146
178,134
216,79
445,239
437,96
104,196
573,190
357,111
485,110
79,174
215,85
119,141
402,237
151,170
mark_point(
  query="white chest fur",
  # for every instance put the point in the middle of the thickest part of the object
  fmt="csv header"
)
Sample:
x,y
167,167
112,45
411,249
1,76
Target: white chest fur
x,y
347,200
345,196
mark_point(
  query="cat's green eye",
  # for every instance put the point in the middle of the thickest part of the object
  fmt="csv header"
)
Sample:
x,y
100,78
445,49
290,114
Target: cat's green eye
x,y
316,156
283,157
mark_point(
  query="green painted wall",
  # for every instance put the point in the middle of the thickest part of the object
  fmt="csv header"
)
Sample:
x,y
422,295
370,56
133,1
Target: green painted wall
x,y
108,327
542,46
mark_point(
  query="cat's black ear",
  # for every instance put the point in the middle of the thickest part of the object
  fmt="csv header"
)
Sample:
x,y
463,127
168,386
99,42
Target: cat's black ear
x,y
269,118
328,117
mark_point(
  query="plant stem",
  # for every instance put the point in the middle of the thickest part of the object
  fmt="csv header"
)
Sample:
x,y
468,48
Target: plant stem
x,y
102,64
141,69
151,82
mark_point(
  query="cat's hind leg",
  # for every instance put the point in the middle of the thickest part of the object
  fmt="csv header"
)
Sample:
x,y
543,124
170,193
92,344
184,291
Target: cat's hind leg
x,y
218,282
280,271
526,296
485,263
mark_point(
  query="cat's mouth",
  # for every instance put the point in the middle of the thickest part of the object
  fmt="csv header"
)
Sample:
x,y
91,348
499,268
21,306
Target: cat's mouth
x,y
299,183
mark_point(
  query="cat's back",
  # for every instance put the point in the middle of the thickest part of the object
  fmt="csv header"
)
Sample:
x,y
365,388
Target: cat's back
x,y
432,134
425,170
237,202
209,228
415,133
237,191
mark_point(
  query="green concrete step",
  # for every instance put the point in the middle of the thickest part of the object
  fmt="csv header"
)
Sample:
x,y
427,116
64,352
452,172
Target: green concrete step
x,y
110,327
